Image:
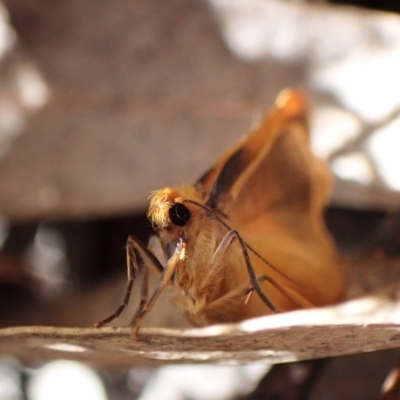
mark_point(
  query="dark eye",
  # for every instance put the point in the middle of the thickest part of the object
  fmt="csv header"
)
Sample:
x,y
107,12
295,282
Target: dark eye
x,y
179,214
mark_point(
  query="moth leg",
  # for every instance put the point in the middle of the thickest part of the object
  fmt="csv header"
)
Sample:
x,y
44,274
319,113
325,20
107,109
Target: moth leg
x,y
155,248
218,256
166,277
246,290
144,293
242,290
289,293
254,283
136,253
219,303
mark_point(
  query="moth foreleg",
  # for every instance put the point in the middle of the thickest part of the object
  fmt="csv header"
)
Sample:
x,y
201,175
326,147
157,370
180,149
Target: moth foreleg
x,y
166,277
136,253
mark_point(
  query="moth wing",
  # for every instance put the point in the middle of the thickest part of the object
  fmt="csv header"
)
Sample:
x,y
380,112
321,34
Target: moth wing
x,y
206,182
273,190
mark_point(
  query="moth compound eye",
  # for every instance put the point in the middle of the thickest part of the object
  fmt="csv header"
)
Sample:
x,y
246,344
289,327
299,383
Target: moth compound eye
x,y
179,214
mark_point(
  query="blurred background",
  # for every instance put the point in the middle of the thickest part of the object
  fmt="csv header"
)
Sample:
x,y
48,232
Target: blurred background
x,y
102,102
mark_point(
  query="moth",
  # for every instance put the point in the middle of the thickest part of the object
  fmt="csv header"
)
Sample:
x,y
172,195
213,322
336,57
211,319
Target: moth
x,y
248,238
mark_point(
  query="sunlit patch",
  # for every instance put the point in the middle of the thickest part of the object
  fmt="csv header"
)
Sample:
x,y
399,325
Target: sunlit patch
x,y
385,149
271,322
12,122
391,381
256,29
48,260
71,348
364,82
360,306
210,331
33,91
355,167
10,379
24,90
11,115
332,128
395,316
179,355
65,380
7,34
232,358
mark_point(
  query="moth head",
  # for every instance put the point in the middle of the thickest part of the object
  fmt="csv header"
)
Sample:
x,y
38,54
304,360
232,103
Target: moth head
x,y
169,214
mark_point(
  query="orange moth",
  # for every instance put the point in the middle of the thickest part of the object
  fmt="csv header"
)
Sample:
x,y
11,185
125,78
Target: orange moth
x,y
248,238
